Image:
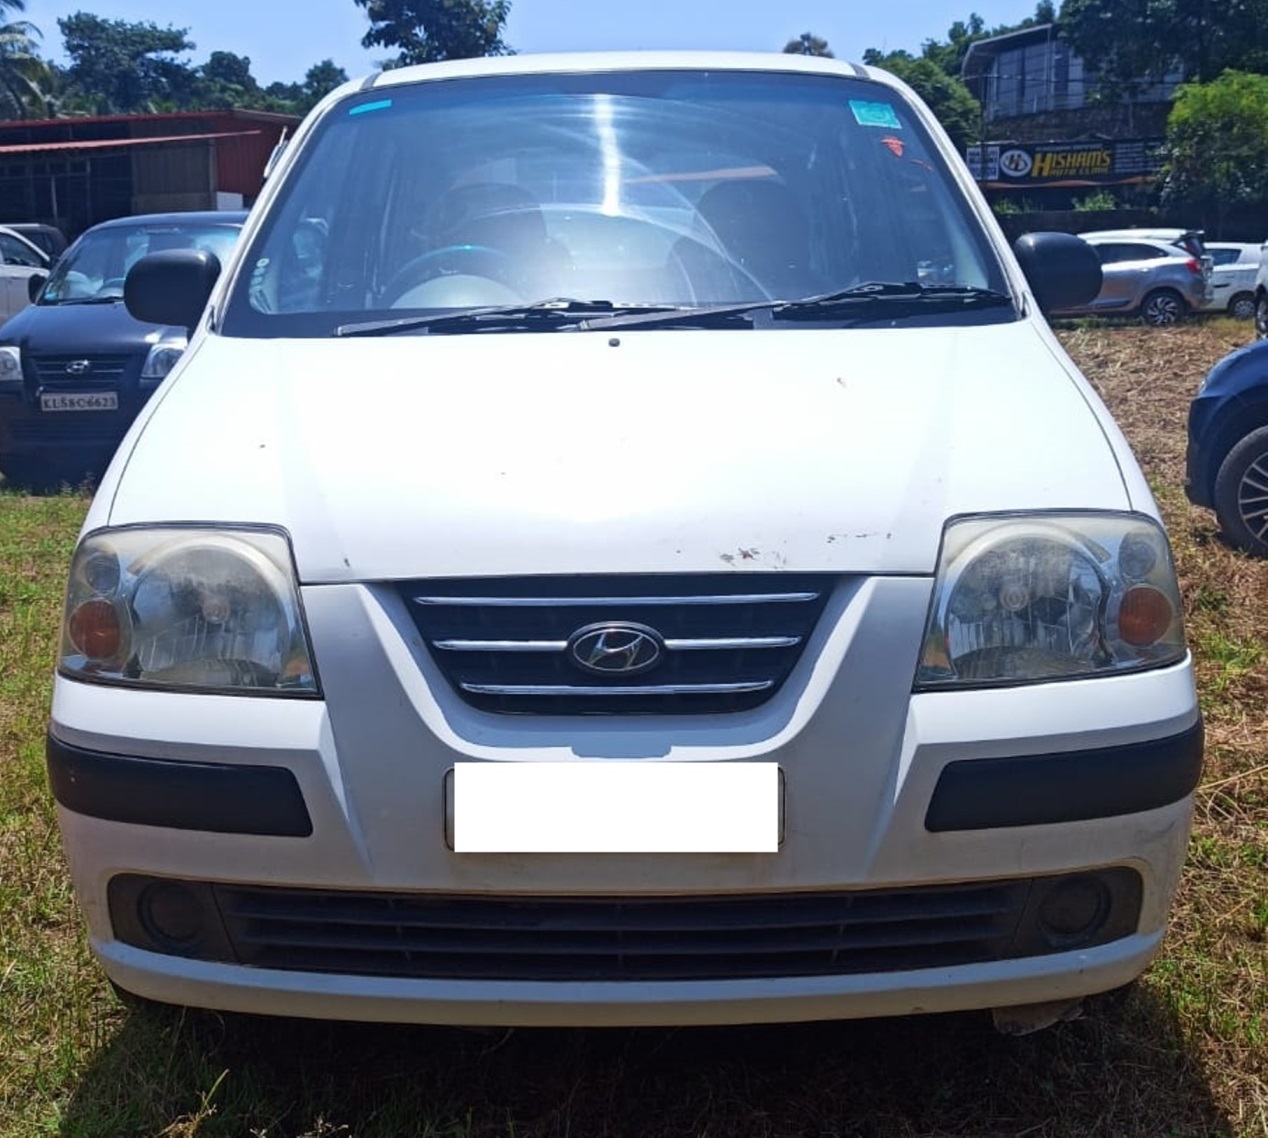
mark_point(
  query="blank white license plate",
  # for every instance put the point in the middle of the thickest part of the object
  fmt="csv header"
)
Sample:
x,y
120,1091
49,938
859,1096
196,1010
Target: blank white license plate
x,y
616,807
79,401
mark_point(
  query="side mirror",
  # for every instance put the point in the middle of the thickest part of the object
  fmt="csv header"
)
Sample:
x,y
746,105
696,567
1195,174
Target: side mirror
x,y
1063,270
171,287
34,283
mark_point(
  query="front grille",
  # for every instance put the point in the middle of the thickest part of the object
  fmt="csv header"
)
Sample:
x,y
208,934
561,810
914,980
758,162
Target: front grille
x,y
679,938
102,371
725,642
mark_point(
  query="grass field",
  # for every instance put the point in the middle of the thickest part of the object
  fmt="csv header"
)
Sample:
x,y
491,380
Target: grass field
x,y
1186,1054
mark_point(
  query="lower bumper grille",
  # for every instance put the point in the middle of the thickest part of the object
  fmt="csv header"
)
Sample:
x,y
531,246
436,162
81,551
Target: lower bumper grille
x,y
431,936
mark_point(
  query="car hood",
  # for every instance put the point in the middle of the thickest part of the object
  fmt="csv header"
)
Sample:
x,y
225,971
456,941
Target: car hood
x,y
70,329
655,451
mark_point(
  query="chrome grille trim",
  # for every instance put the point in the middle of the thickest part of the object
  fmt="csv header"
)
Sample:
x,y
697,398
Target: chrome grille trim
x,y
500,645
578,602
625,690
716,644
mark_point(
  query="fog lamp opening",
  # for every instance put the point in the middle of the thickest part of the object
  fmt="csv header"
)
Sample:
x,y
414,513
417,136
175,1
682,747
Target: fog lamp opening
x,y
1074,911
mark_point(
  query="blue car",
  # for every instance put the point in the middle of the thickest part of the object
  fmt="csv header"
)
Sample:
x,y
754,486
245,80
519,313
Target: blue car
x,y
1227,459
75,367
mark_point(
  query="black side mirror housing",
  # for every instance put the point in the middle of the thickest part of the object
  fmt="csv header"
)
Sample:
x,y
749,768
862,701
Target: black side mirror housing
x,y
171,287
1063,270
34,283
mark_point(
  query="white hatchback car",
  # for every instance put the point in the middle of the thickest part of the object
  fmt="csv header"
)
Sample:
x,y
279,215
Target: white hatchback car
x,y
1233,278
623,546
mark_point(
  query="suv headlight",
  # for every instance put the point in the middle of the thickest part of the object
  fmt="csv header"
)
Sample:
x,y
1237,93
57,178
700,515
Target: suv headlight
x,y
1025,599
189,608
163,356
10,364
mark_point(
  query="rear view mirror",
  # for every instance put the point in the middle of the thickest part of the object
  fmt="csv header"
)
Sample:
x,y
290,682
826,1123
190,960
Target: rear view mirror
x,y
171,287
34,283
1063,270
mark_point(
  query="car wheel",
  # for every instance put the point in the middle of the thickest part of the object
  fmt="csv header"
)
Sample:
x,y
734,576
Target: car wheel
x,y
1261,318
1241,493
1243,307
1162,308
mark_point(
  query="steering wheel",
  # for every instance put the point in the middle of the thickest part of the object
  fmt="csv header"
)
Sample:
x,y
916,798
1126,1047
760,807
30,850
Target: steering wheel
x,y
476,260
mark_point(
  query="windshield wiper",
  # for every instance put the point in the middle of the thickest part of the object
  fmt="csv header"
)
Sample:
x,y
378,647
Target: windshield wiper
x,y
877,300
881,300
544,315
83,300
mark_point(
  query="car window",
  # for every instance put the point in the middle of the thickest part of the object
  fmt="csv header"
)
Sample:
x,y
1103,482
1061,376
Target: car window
x,y
667,188
15,252
1224,256
94,267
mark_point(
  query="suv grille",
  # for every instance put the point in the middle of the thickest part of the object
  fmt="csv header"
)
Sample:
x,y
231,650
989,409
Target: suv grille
x,y
617,645
102,371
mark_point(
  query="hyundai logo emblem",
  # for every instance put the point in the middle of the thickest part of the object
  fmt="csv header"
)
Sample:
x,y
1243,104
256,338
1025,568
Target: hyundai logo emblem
x,y
616,649
79,367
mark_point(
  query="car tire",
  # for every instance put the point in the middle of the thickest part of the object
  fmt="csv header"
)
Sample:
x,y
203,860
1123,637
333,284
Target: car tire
x,y
1162,308
1243,306
1261,318
1241,493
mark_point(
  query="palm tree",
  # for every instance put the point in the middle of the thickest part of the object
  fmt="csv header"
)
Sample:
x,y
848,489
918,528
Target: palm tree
x,y
20,64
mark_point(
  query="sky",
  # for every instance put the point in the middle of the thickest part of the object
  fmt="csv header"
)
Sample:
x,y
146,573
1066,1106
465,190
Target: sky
x,y
283,38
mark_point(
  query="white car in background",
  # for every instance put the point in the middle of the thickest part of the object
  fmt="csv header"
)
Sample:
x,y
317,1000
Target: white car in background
x,y
1233,278
19,261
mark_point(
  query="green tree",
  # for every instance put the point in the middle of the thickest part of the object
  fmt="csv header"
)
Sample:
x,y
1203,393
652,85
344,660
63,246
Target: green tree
x,y
119,67
1217,146
1130,42
808,44
426,31
225,80
948,98
21,69
320,80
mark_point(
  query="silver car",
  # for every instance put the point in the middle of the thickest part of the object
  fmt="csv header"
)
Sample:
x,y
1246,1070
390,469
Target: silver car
x,y
1147,277
1233,278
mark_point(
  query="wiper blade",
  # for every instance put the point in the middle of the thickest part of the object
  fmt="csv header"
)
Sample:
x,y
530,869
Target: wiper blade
x,y
879,300
545,314
83,300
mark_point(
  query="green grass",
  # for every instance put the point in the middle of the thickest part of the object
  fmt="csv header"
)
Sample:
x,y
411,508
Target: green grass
x,y
1184,1054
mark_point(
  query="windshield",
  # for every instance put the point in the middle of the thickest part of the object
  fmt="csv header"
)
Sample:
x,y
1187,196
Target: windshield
x,y
665,188
94,268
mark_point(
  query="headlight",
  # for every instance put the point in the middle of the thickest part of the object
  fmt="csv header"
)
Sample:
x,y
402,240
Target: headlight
x,y
10,364
163,357
196,609
1050,596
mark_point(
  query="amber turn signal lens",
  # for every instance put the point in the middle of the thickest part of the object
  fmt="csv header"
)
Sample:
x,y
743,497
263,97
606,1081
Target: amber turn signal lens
x,y
1144,616
94,629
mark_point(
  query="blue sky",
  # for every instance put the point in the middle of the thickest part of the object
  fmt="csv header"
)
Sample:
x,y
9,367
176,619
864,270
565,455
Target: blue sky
x,y
283,38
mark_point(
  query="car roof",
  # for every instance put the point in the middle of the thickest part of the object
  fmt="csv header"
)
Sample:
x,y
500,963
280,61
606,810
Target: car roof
x,y
1149,232
18,236
201,217
569,62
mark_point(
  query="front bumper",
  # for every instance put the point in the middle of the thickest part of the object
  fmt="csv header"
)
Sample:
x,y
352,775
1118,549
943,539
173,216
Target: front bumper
x,y
862,761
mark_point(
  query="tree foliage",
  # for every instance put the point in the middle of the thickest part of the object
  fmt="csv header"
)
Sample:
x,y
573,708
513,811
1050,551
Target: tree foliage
x,y
949,99
426,31
1217,145
119,67
1132,41
808,44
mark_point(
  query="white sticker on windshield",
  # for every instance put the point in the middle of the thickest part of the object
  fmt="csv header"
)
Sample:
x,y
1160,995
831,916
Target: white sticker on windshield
x,y
875,114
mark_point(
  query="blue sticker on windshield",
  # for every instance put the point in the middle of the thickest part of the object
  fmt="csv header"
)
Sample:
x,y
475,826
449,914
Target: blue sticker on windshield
x,y
875,114
366,108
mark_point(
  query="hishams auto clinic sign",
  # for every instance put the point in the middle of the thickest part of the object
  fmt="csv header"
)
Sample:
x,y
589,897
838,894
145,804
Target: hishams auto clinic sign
x,y
1004,165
